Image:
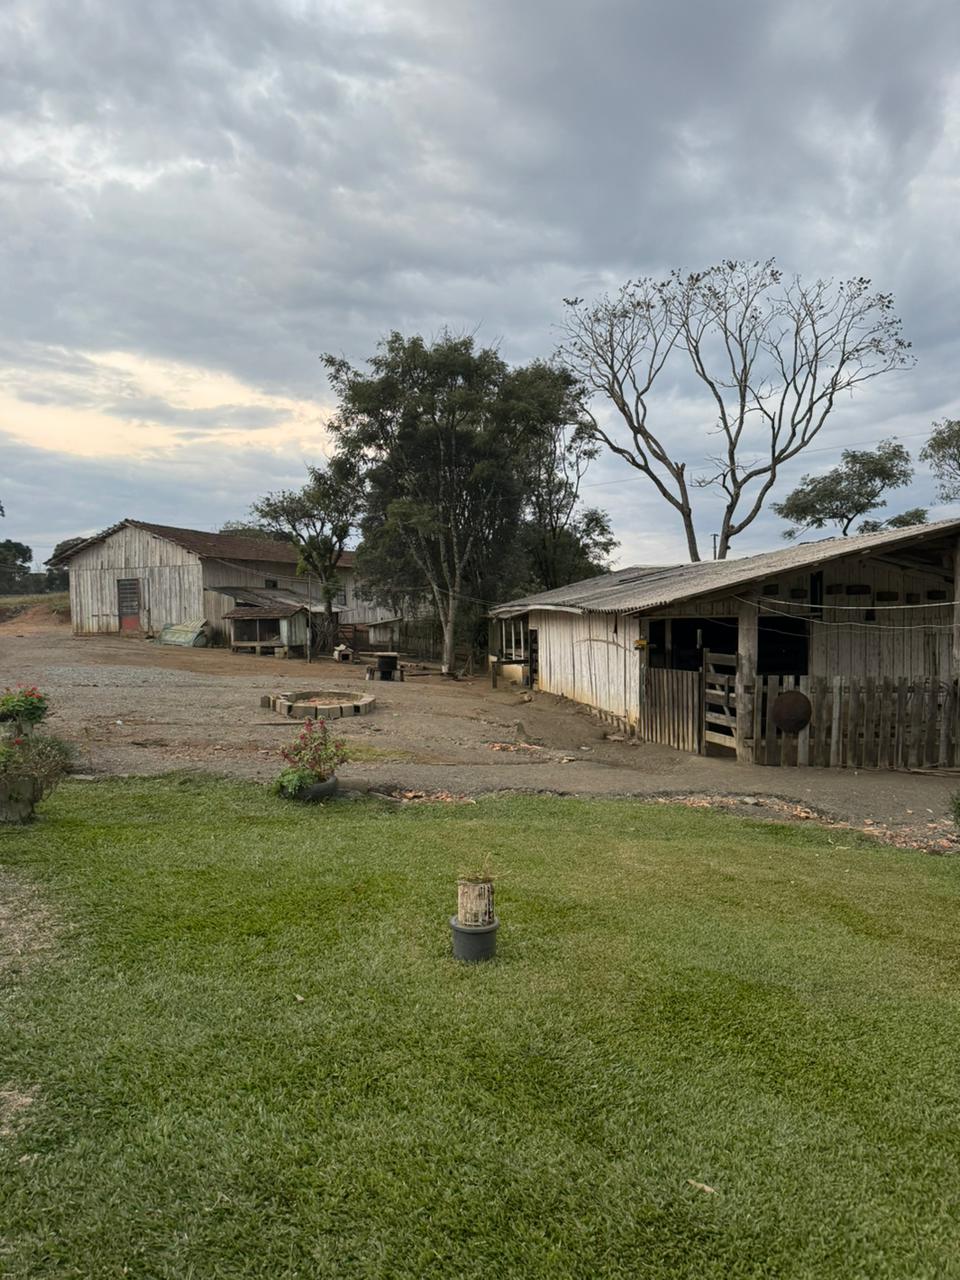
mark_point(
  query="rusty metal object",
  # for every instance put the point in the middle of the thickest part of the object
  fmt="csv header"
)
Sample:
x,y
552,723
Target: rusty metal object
x,y
792,711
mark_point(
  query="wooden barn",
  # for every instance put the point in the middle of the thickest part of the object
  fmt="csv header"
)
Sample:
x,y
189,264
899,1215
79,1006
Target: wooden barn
x,y
141,577
844,651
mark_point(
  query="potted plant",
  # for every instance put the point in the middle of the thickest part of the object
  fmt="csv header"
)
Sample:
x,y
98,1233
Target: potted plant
x,y
312,759
475,925
30,768
21,710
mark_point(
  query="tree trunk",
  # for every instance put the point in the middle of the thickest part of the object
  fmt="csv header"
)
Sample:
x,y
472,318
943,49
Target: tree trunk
x,y
688,528
475,902
447,661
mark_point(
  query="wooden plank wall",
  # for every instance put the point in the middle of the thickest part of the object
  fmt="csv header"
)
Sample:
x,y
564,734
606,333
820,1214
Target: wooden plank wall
x,y
170,578
591,658
910,641
670,708
863,724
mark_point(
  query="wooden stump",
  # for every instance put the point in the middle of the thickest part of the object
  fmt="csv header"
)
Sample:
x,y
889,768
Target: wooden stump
x,y
475,902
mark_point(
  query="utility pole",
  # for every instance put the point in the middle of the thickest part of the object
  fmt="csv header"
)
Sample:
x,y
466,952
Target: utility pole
x,y
715,537
309,617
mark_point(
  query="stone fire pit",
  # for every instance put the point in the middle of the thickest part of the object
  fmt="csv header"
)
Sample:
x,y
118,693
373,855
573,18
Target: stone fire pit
x,y
319,704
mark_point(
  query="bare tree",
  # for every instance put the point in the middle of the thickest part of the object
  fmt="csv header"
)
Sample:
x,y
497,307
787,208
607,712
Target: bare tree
x,y
770,354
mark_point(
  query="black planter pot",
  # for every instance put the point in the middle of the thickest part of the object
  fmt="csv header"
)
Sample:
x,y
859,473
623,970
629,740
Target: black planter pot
x,y
474,942
319,791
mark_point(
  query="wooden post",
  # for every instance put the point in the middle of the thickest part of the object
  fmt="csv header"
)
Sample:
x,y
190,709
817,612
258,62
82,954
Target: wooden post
x,y
475,902
955,664
746,684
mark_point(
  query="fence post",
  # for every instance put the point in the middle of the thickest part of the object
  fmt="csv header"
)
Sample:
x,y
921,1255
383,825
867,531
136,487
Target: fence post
x,y
746,682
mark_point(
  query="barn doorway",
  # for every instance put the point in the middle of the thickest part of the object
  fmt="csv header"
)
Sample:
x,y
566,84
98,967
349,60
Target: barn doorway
x,y
128,603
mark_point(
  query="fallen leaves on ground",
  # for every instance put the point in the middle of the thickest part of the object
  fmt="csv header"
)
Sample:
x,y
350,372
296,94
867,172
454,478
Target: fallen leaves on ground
x,y
432,797
935,837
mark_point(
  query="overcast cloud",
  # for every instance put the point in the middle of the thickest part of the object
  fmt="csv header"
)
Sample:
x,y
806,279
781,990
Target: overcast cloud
x,y
197,199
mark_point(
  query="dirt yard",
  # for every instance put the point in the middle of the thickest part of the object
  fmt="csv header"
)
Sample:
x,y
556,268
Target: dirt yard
x,y
134,708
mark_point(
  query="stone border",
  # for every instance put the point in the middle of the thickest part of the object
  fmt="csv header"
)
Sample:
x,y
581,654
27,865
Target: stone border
x,y
296,705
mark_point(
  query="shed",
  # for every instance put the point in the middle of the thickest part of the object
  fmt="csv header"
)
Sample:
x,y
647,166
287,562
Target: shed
x,y
697,656
278,628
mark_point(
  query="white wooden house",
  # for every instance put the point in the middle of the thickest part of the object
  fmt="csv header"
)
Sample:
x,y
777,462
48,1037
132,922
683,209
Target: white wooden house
x,y
696,656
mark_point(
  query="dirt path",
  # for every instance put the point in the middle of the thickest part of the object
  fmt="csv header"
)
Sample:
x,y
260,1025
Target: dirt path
x,y
134,708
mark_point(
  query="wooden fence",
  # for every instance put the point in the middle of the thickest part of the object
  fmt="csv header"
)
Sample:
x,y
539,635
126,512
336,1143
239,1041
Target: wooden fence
x,y
670,708
857,724
861,724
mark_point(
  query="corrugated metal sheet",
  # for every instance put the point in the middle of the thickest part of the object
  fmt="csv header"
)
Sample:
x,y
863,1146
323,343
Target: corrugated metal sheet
x,y
645,587
192,635
264,611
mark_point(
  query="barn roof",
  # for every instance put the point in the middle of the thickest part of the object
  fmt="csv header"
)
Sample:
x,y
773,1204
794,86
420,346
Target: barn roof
x,y
221,546
644,587
265,611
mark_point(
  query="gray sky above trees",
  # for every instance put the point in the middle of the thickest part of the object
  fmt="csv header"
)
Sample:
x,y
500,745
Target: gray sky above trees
x,y
196,200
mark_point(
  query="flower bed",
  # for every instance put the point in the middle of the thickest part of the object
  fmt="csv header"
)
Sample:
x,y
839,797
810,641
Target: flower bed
x,y
319,704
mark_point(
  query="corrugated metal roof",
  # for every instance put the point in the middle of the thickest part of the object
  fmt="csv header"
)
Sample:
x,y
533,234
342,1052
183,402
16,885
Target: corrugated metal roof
x,y
644,587
264,611
268,597
223,546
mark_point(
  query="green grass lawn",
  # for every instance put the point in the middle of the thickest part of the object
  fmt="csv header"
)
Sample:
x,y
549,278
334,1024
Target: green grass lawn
x,y
252,1055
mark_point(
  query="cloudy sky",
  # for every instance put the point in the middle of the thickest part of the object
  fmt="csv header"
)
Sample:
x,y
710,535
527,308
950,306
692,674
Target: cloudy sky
x,y
198,198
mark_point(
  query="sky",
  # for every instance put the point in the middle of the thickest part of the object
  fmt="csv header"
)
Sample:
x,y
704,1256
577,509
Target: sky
x,y
198,199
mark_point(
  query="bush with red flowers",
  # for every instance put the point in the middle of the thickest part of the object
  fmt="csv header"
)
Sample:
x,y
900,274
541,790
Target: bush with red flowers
x,y
25,705
312,757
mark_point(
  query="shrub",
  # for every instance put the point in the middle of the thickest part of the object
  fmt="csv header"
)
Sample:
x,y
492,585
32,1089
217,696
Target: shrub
x,y
30,768
312,757
26,705
41,757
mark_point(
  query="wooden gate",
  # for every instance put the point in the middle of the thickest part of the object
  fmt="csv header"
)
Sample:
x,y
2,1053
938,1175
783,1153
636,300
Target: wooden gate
x,y
670,708
719,706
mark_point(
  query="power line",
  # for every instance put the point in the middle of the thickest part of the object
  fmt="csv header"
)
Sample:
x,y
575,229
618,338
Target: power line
x,y
827,448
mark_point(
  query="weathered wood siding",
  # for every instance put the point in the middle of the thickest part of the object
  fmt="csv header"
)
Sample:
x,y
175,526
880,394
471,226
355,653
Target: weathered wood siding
x,y
901,642
171,585
241,573
590,658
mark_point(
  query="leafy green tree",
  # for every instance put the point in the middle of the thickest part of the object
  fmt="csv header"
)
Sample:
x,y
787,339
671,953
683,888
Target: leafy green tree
x,y
443,432
942,455
15,561
246,529
769,354
912,516
561,540
847,492
319,519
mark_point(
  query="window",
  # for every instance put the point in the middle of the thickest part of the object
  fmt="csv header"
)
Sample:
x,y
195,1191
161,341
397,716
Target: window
x,y
270,582
342,596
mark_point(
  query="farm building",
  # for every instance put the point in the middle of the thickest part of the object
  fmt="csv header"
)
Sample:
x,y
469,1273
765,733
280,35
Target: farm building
x,y
141,577
700,656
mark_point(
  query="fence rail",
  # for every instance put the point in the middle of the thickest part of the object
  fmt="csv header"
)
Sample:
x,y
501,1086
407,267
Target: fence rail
x,y
861,724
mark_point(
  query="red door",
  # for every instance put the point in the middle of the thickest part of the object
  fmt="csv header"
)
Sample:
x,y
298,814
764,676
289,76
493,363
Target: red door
x,y
128,603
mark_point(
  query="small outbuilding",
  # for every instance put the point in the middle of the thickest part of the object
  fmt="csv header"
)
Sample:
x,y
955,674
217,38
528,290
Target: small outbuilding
x,y
866,630
277,629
